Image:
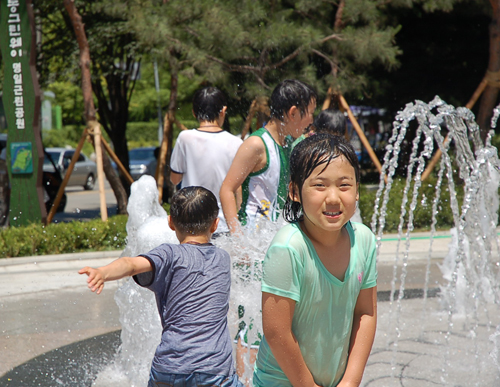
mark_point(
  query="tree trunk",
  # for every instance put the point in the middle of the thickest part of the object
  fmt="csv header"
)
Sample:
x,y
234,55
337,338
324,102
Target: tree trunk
x,y
81,38
113,107
118,124
490,94
121,150
115,183
90,112
337,27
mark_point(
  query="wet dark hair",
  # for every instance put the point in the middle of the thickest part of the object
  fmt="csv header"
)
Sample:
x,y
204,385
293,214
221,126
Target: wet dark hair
x,y
330,121
208,103
193,210
310,153
288,93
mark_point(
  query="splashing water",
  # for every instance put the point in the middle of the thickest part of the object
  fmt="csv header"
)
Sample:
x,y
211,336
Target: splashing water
x,y
471,266
147,227
247,254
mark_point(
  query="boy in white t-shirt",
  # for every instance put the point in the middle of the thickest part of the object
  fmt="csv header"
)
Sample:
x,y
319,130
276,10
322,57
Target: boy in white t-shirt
x,y
202,157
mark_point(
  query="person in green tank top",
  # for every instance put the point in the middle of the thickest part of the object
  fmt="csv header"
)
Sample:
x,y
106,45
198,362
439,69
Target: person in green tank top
x,y
319,281
260,166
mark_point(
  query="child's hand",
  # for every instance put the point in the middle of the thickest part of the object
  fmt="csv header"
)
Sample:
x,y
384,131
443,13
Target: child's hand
x,y
95,278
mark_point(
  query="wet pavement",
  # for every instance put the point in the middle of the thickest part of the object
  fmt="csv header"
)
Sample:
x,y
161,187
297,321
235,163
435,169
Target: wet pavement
x,y
45,305
85,205
55,332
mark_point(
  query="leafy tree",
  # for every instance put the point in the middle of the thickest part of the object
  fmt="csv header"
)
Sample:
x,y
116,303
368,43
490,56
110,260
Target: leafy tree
x,y
162,30
247,47
88,102
144,102
69,97
114,66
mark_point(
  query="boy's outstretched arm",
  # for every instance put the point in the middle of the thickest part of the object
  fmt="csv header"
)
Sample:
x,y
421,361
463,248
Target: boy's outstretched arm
x,y
277,315
251,157
120,268
363,333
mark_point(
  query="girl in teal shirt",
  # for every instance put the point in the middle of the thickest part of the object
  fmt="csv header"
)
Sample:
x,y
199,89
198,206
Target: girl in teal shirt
x,y
319,281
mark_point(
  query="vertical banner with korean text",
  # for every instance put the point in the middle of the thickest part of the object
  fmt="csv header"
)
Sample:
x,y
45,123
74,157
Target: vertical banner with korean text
x,y
21,99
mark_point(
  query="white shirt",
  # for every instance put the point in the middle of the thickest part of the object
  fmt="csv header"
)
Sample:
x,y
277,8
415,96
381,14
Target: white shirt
x,y
204,159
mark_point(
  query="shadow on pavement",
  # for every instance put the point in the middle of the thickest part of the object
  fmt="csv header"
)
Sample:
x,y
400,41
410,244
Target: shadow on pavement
x,y
75,365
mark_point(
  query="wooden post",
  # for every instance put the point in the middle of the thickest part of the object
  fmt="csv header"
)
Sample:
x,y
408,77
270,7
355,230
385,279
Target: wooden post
x,y
179,124
477,93
64,183
88,101
262,110
100,170
248,121
360,133
438,154
115,158
336,98
328,99
160,167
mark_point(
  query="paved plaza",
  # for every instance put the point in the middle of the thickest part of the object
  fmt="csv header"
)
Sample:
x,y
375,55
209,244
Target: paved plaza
x,y
55,332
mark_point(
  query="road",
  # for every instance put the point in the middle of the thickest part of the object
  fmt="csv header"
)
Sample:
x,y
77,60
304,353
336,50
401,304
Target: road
x,y
85,205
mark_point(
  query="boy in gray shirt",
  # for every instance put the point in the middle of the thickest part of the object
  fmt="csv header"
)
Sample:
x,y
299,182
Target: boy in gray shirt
x,y
191,282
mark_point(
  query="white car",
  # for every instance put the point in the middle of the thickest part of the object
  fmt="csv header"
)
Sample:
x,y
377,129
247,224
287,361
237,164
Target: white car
x,y
85,170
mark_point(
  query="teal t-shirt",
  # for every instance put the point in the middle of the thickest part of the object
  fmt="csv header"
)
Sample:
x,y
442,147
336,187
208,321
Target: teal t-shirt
x,y
324,308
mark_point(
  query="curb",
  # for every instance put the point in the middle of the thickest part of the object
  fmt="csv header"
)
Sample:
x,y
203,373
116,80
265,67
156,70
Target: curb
x,y
60,257
408,294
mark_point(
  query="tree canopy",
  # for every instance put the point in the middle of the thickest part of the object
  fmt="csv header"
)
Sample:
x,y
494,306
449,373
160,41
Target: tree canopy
x,y
379,52
246,47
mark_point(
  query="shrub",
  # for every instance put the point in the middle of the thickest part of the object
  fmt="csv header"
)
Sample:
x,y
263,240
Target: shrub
x,y
423,210
60,238
95,235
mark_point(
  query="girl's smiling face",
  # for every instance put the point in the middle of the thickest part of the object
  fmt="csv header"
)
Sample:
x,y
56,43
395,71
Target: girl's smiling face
x,y
329,196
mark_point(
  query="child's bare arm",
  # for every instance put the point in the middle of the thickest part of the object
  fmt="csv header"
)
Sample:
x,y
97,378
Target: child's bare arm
x,y
175,177
122,267
362,336
251,157
277,315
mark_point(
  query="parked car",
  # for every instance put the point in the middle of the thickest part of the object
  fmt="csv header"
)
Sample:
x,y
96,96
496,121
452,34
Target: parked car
x,y
3,141
142,161
52,181
84,172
